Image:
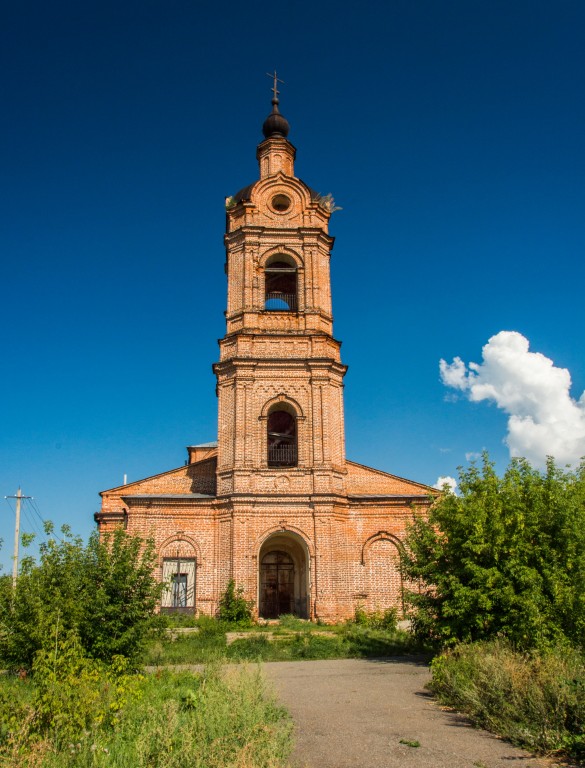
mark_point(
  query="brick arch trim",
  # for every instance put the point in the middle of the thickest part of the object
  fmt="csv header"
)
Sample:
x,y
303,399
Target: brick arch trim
x,y
280,182
278,400
278,250
179,538
379,536
283,528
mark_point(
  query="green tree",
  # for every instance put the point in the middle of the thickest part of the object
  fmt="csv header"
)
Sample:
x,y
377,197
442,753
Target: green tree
x,y
505,557
103,591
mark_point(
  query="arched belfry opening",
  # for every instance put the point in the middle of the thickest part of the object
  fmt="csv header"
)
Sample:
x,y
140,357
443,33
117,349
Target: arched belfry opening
x,y
282,436
283,576
280,284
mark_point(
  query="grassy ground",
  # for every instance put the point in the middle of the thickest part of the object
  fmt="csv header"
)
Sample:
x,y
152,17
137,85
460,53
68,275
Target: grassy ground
x,y
221,718
291,639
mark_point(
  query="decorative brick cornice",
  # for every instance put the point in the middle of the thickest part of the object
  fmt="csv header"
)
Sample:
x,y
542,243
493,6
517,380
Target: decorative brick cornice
x,y
111,518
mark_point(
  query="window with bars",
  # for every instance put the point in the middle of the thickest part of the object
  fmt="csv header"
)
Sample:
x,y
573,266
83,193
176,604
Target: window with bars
x,y
282,439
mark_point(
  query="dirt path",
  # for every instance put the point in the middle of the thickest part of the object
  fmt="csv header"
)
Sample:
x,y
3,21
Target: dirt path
x,y
355,713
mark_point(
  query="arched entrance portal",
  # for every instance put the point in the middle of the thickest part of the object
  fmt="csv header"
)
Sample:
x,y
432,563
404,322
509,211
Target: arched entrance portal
x,y
284,577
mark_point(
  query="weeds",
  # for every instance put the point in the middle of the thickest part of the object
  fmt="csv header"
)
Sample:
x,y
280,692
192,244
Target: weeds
x,y
410,743
292,639
233,607
221,717
386,619
288,621
536,701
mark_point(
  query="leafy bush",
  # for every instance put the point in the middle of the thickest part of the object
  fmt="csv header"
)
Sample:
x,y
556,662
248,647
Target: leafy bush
x,y
69,696
104,592
386,620
507,557
233,607
536,701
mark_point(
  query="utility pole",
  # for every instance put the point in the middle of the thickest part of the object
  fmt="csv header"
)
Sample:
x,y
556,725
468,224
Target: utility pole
x,y
18,498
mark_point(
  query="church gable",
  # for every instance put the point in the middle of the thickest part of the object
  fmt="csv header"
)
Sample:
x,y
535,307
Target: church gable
x,y
365,481
198,478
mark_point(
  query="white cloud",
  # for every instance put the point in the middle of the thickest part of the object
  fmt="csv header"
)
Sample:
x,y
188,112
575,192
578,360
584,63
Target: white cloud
x,y
544,420
472,456
449,481
454,374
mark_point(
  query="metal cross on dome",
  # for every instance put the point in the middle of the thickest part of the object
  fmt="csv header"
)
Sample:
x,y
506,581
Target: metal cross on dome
x,y
276,80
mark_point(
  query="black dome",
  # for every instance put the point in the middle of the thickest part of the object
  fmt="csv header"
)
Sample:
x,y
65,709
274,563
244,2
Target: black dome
x,y
275,124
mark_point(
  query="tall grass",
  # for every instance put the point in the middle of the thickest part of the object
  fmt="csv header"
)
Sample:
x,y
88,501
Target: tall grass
x,y
536,701
221,718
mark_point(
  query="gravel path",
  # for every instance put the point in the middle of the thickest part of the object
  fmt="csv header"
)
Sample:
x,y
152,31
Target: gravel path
x,y
355,713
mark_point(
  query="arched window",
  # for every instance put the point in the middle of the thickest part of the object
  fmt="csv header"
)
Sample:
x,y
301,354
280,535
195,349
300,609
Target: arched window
x,y
282,439
280,285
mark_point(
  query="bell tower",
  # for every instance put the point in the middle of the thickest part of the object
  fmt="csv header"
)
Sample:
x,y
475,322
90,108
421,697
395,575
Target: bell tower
x,y
274,505
279,378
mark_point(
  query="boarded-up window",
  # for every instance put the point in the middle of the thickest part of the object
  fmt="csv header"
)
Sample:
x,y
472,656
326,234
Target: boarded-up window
x,y
179,577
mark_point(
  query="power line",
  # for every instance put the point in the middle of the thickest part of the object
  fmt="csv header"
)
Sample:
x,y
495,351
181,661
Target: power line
x,y
33,507
37,511
32,522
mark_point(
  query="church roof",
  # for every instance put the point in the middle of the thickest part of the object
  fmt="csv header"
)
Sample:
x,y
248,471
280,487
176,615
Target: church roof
x,y
168,496
212,444
364,482
275,124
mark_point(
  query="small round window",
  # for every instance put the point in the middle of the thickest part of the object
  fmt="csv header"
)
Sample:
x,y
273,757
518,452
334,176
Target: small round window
x,y
281,203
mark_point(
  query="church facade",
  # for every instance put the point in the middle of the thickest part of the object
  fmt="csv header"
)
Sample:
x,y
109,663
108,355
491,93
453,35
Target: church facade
x,y
274,504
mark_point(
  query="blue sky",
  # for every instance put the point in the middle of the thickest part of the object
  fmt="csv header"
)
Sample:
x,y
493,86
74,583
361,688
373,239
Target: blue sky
x,y
450,133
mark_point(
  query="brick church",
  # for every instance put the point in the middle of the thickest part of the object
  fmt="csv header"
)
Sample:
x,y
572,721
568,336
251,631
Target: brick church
x,y
274,504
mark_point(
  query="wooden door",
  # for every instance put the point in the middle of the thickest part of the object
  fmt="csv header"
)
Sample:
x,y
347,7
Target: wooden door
x,y
277,585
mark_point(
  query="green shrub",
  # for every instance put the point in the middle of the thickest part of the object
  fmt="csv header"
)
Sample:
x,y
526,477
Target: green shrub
x,y
505,558
386,620
536,701
233,607
69,697
103,591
